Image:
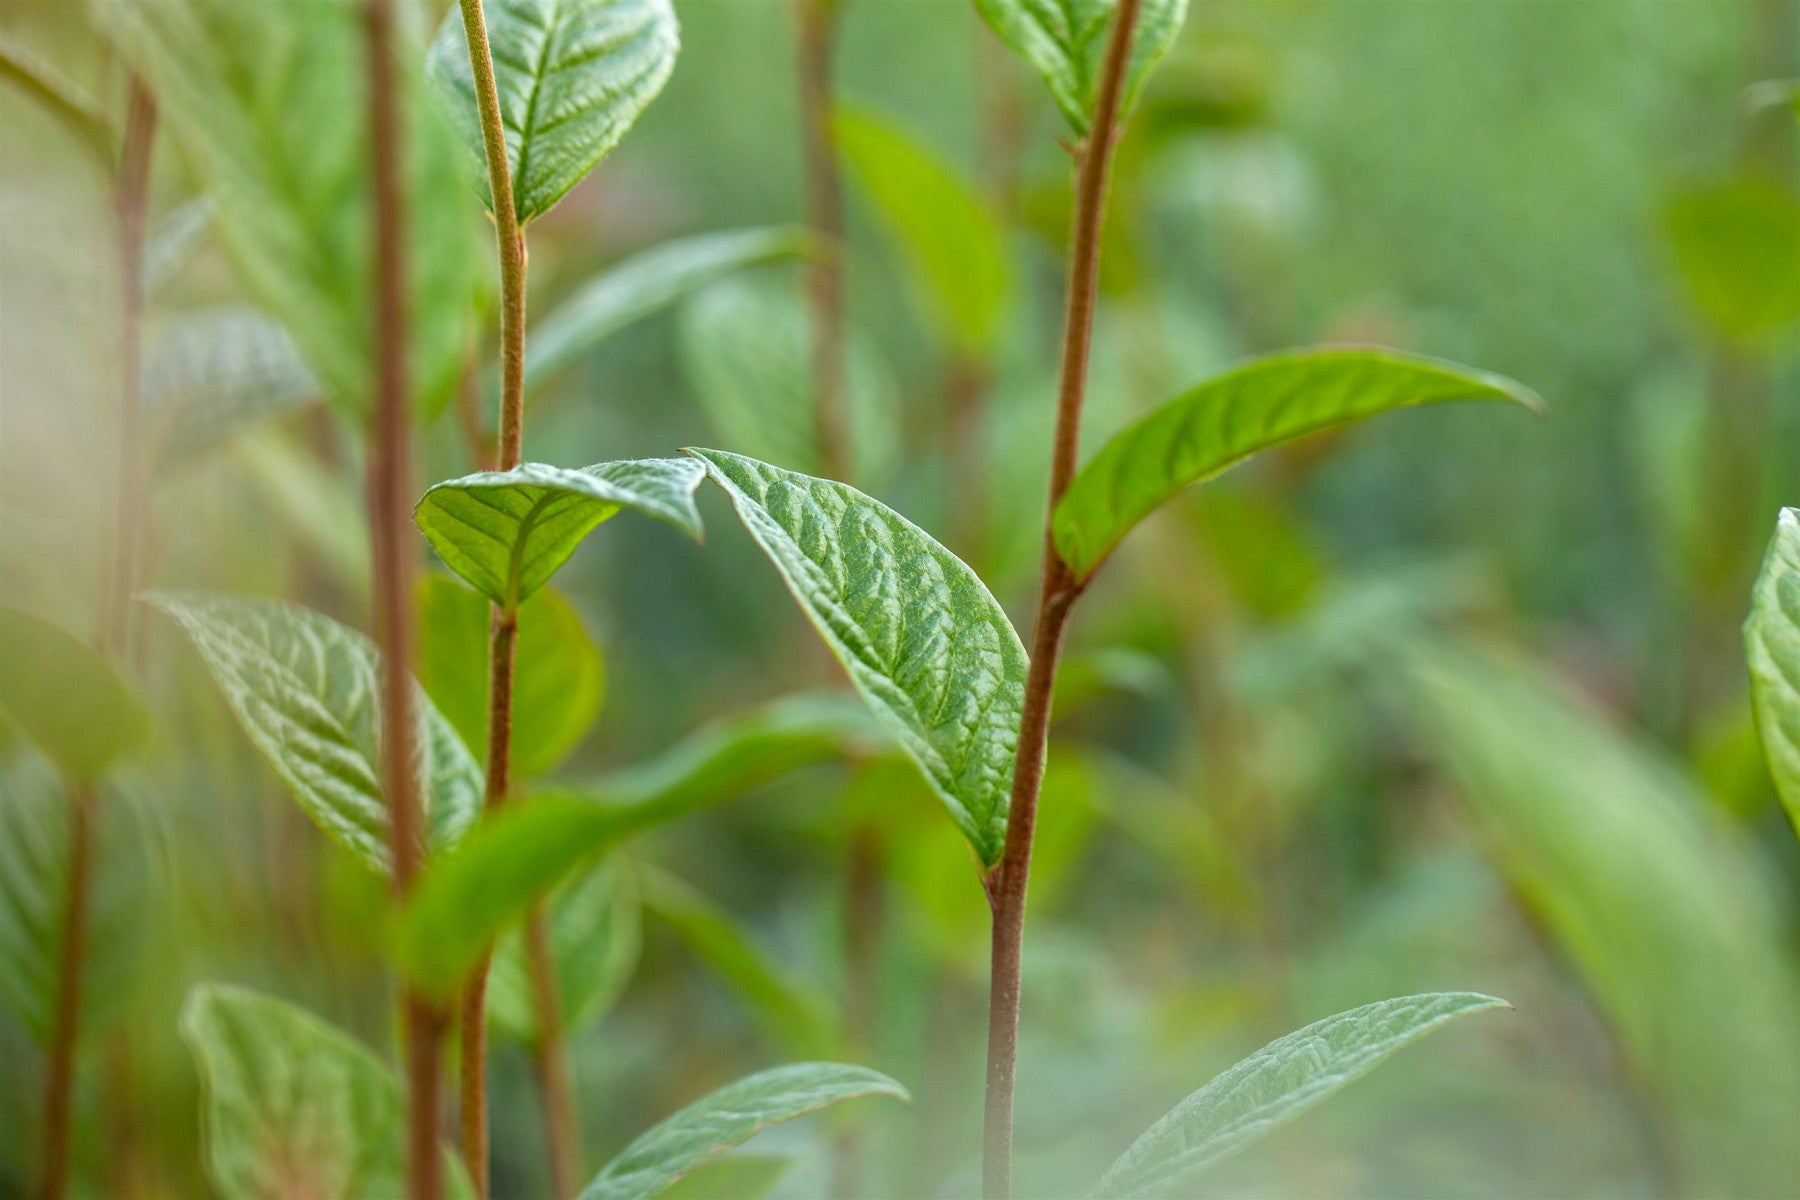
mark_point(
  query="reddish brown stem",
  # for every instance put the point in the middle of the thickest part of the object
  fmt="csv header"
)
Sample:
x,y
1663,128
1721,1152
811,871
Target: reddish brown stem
x,y
59,1083
555,1087
817,21
1057,592
472,1083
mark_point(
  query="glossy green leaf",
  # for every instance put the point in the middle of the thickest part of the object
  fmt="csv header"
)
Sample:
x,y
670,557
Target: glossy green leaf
x,y
1226,419
212,373
306,691
65,698
950,236
596,930
1065,43
643,284
1275,1085
1772,644
922,638
267,101
730,1117
61,97
573,76
1737,250
508,532
558,675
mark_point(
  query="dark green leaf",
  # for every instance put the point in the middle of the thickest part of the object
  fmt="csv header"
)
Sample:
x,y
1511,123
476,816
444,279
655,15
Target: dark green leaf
x,y
1737,248
210,374
1065,42
596,929
1772,643
65,698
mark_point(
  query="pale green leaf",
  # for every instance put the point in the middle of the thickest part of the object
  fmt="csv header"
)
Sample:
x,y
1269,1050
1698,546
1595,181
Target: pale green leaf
x,y
596,930
1275,1085
1736,246
1065,42
61,97
508,532
1215,424
1772,644
573,76
212,373
306,691
65,698
922,638
730,1117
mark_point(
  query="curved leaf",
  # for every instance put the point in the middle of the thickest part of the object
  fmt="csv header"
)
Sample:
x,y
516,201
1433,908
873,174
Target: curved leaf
x,y
1275,1085
1772,644
213,373
596,930
730,1117
573,75
1260,404
1065,42
922,638
65,698
508,532
306,691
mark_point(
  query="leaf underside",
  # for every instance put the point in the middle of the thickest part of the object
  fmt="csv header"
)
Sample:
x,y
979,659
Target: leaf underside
x,y
1772,646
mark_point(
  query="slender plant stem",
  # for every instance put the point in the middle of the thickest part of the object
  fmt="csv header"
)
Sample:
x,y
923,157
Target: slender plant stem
x,y
59,1081
390,527
1057,593
817,20
555,1086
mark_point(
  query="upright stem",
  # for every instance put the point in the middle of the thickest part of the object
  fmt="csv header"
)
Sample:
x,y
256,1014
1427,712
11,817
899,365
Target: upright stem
x,y
59,1082
1057,592
390,495
556,1088
825,219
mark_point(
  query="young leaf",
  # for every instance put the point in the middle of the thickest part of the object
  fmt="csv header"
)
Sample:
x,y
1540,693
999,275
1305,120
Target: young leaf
x,y
1065,42
1226,419
65,698
1275,1085
1772,645
212,373
508,532
573,75
596,930
306,691
1737,249
730,1117
922,638
949,233
643,284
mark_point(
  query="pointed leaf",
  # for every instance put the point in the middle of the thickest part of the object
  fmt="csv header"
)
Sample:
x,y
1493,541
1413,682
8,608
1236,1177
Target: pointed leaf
x,y
508,532
730,1117
1260,404
212,373
922,638
1772,643
1275,1085
306,691
573,75
65,698
1065,42
596,931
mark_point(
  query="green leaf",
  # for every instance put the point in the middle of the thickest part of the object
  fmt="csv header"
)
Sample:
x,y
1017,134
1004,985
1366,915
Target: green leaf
x,y
951,236
1065,42
596,930
306,691
733,1177
65,698
573,76
61,97
643,284
924,641
508,532
212,373
1737,250
558,678
1772,645
1262,403
267,100
1275,1085
730,1117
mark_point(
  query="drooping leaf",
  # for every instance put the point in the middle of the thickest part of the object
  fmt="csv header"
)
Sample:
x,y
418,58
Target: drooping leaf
x,y
65,698
508,532
644,284
572,75
61,97
1275,1085
1772,644
1737,250
1226,419
558,677
922,638
596,930
267,100
730,1117
1065,43
306,691
173,242
211,373
948,233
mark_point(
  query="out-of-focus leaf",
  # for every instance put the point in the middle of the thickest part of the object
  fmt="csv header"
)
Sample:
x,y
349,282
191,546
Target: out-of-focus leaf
x,y
644,284
317,504
65,698
730,1117
61,97
1275,1085
734,1177
1065,43
558,677
306,691
1268,557
173,242
745,346
210,374
1226,419
267,100
1737,249
1772,644
922,638
508,532
946,230
596,930
1774,93
798,1017
572,75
